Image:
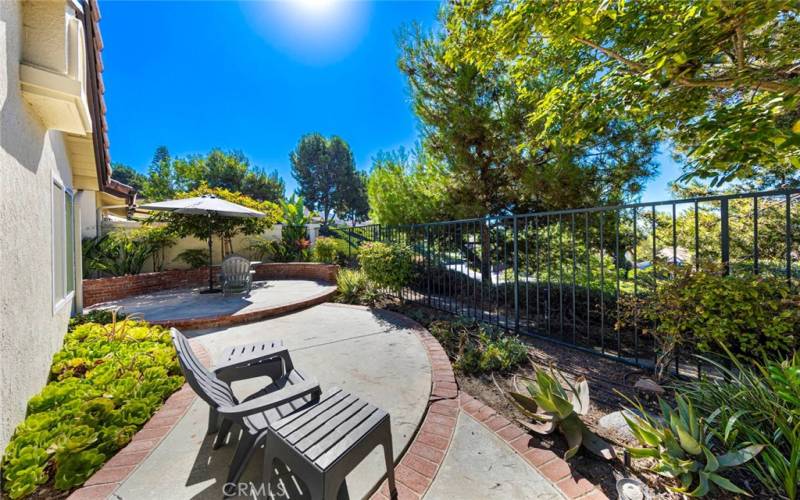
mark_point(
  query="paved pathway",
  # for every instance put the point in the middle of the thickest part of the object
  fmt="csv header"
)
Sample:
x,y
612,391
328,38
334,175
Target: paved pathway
x,y
480,465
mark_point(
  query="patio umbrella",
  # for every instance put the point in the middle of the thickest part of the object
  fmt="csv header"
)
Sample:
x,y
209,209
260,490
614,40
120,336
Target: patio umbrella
x,y
209,206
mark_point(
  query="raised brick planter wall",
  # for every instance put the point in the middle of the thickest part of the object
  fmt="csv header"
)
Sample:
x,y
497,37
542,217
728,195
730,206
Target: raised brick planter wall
x,y
105,289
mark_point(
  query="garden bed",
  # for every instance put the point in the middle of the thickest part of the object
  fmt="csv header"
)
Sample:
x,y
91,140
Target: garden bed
x,y
610,383
105,384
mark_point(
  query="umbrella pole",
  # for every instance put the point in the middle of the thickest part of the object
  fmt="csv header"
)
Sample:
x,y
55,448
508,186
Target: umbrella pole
x,y
210,262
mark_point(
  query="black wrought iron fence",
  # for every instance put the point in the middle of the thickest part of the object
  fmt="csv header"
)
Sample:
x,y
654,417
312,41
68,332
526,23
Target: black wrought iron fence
x,y
561,275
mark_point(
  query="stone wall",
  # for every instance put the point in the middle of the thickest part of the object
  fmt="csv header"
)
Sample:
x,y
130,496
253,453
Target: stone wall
x,y
105,289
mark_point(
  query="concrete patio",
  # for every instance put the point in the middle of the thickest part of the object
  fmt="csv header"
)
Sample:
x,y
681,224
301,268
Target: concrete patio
x,y
446,443
446,446
179,307
358,350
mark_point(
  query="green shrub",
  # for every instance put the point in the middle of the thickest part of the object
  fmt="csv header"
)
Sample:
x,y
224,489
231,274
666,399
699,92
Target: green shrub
x,y
123,252
752,316
194,257
326,250
386,265
355,288
266,249
105,383
294,233
758,404
681,444
101,316
476,348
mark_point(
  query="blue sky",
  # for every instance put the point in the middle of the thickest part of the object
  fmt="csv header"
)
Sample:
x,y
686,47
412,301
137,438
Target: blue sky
x,y
256,76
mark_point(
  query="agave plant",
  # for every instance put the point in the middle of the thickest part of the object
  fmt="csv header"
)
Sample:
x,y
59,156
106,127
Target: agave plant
x,y
552,407
682,448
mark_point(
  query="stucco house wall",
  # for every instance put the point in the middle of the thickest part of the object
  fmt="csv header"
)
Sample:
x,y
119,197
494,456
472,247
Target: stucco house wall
x,y
30,158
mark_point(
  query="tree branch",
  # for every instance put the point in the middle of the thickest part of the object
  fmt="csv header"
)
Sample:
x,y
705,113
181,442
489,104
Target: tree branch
x,y
738,41
692,82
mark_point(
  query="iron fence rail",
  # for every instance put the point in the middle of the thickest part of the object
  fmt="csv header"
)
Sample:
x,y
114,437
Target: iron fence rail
x,y
561,275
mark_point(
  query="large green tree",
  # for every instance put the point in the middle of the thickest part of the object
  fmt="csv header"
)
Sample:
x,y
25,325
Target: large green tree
x,y
227,170
325,171
476,124
719,79
476,128
407,188
354,202
129,176
160,183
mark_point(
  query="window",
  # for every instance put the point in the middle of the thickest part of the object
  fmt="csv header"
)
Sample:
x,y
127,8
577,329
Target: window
x,y
63,245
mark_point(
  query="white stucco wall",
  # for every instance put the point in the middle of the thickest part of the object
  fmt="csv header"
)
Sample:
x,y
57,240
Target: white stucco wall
x,y
30,330
88,213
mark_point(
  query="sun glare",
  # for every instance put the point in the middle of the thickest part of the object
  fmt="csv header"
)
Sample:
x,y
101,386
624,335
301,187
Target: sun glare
x,y
315,7
313,31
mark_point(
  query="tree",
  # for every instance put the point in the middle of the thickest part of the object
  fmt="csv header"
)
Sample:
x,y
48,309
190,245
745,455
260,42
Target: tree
x,y
326,174
160,176
721,79
263,186
477,125
229,170
407,188
127,175
354,202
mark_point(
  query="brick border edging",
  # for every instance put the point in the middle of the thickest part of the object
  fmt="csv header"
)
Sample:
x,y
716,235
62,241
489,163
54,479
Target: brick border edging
x,y
424,455
106,480
257,315
551,466
421,462
98,290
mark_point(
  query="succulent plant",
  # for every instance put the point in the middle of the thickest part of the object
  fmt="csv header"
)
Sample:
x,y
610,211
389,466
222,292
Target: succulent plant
x,y
682,448
552,407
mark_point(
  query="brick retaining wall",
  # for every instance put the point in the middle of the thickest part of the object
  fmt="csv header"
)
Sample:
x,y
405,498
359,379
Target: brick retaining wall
x,y
119,287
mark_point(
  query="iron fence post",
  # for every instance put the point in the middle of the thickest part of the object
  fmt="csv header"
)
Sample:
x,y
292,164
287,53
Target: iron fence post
x,y
516,277
428,262
725,236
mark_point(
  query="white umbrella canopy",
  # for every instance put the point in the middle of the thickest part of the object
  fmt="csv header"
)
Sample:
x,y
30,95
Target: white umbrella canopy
x,y
207,205
203,205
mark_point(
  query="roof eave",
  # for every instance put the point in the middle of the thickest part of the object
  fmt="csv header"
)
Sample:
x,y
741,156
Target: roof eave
x,y
91,18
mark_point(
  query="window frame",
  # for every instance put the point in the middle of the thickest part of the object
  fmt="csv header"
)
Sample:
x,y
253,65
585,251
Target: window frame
x,y
61,298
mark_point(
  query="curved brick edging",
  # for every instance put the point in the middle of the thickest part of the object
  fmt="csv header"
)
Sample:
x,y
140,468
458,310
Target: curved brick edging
x,y
106,480
426,453
248,317
119,287
550,465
